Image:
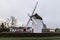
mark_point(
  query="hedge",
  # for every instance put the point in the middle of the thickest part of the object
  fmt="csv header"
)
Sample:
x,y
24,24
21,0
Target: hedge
x,y
5,34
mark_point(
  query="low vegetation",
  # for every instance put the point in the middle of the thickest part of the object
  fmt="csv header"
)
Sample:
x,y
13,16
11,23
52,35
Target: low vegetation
x,y
30,38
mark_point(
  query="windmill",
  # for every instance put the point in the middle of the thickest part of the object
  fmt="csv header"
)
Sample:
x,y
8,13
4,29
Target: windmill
x,y
36,16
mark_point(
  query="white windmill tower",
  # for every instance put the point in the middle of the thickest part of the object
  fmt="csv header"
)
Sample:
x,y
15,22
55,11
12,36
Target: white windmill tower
x,y
37,21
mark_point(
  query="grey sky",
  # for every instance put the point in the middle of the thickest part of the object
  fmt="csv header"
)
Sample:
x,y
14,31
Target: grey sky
x,y
48,9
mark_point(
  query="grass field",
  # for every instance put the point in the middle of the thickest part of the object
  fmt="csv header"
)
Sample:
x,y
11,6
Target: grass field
x,y
30,38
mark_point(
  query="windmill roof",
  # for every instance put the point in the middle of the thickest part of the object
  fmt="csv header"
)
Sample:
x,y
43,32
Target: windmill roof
x,y
37,16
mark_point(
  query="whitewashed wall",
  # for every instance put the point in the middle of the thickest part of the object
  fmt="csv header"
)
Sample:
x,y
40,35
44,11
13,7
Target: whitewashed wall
x,y
38,27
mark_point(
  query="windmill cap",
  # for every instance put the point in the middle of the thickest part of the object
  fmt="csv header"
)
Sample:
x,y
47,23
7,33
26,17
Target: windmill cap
x,y
37,16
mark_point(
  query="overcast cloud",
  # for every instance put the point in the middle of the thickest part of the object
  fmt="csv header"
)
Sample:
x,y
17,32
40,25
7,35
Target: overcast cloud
x,y
49,10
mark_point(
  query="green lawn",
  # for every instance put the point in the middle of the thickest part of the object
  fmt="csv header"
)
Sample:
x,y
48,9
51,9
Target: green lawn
x,y
30,38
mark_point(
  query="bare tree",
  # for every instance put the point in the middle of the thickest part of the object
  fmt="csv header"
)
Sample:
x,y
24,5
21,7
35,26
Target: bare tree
x,y
13,21
7,22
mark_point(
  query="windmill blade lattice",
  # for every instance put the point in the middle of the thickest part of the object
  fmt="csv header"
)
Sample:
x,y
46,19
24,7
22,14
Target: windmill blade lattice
x,y
32,13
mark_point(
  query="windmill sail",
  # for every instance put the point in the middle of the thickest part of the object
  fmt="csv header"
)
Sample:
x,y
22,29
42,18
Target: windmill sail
x,y
35,8
32,13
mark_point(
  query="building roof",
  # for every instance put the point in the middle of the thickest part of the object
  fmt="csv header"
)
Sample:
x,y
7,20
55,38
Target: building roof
x,y
37,16
20,27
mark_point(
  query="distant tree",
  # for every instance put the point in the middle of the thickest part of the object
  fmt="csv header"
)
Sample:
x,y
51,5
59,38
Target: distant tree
x,y
13,21
2,25
57,28
10,22
7,22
